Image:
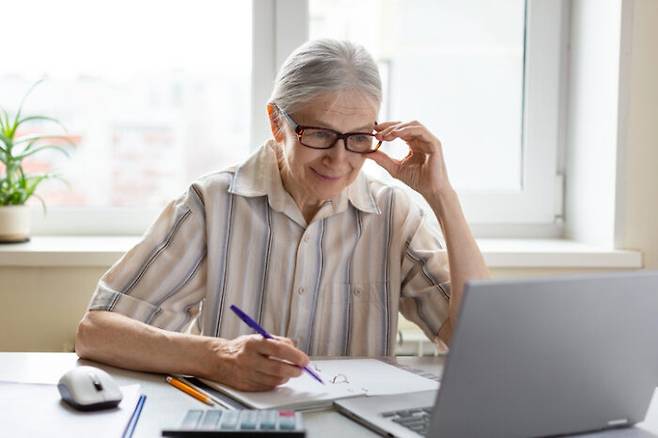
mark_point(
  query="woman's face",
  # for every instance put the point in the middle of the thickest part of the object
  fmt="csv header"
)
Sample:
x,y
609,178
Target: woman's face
x,y
321,174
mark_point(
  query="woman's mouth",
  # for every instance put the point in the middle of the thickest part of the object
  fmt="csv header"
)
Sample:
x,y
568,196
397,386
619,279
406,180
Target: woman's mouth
x,y
326,177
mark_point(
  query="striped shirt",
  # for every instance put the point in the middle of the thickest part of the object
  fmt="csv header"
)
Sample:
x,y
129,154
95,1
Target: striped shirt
x,y
334,285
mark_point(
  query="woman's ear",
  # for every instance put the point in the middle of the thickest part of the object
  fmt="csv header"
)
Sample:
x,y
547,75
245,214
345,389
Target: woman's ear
x,y
275,126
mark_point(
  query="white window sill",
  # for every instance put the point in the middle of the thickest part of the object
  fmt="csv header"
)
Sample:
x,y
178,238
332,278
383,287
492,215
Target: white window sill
x,y
103,251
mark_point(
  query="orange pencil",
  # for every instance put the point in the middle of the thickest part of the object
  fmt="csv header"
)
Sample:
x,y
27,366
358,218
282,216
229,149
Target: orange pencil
x,y
189,390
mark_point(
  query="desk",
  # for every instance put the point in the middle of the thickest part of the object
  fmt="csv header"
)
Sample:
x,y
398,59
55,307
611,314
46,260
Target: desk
x,y
166,405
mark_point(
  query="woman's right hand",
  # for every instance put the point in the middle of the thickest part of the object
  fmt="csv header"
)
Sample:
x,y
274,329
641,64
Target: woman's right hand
x,y
253,363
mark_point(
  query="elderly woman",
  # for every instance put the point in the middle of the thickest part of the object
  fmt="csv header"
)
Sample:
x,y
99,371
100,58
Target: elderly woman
x,y
298,237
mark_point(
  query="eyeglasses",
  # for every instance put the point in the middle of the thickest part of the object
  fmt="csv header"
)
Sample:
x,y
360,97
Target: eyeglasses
x,y
325,138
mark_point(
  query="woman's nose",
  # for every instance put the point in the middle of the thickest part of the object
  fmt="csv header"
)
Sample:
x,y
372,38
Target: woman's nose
x,y
338,151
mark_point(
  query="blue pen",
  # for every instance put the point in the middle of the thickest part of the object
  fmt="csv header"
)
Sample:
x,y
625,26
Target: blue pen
x,y
261,331
132,423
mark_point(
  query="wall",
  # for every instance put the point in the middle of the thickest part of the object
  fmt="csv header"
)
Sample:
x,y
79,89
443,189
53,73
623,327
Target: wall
x,y
42,306
638,185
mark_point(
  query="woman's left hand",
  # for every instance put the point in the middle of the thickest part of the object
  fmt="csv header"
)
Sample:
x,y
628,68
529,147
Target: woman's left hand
x,y
423,169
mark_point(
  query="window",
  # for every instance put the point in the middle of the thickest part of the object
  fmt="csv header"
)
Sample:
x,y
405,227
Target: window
x,y
161,95
461,68
456,66
153,94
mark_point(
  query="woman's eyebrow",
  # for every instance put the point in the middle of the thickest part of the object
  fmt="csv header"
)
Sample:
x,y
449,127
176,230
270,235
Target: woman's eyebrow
x,y
319,124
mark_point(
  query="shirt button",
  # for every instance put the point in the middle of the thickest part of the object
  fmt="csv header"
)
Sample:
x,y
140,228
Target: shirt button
x,y
300,290
356,291
306,238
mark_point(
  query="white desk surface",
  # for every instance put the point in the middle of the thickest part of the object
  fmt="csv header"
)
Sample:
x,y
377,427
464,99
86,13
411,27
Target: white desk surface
x,y
166,405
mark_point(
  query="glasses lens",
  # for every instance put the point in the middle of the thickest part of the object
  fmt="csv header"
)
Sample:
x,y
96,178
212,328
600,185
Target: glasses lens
x,y
361,143
318,138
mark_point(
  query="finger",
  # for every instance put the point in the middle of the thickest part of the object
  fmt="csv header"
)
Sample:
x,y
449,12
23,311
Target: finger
x,y
384,125
268,380
254,371
286,340
253,384
409,133
282,350
397,125
385,161
277,368
390,133
384,132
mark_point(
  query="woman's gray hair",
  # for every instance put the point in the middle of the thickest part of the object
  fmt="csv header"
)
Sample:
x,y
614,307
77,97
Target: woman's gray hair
x,y
325,65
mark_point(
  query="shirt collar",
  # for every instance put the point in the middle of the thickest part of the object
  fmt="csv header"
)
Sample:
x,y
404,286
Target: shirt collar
x,y
260,176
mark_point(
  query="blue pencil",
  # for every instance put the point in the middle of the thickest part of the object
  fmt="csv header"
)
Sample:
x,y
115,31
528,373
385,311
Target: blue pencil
x,y
261,331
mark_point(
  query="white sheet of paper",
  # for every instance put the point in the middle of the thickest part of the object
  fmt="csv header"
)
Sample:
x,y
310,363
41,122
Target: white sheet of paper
x,y
36,410
374,377
344,378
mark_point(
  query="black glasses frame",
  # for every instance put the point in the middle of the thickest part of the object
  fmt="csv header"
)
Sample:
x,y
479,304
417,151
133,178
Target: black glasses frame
x,y
299,130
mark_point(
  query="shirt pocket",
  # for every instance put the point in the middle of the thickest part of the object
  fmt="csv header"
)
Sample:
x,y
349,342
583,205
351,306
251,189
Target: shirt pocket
x,y
371,292
357,308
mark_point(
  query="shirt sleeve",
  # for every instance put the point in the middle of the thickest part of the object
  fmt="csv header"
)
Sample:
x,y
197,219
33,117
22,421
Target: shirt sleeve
x,y
425,289
162,280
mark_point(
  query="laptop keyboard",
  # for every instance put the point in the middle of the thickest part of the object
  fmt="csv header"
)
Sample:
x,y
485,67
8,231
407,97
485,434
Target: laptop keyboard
x,y
417,419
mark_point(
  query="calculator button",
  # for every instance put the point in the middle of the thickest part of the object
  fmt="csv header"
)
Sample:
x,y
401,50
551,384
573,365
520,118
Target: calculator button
x,y
191,419
210,420
268,420
248,425
249,420
267,425
287,420
286,424
230,420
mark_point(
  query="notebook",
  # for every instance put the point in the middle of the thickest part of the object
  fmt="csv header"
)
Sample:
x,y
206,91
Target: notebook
x,y
344,379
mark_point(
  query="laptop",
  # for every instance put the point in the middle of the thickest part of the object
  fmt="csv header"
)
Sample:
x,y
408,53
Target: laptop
x,y
536,357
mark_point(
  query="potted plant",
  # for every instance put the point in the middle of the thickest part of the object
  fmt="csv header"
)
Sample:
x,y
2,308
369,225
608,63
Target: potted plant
x,y
17,186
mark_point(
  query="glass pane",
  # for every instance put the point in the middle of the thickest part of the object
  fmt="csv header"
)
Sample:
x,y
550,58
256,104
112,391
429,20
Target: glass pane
x,y
154,93
454,65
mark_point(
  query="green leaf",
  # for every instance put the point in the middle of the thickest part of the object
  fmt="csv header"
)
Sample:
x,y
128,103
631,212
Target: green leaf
x,y
38,137
6,140
43,204
31,184
3,126
8,132
22,180
50,119
41,148
20,107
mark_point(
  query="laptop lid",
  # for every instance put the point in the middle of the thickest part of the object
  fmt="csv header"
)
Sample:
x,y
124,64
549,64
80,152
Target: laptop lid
x,y
549,356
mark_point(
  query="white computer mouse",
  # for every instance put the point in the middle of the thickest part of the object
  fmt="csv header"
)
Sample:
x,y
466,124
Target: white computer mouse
x,y
88,388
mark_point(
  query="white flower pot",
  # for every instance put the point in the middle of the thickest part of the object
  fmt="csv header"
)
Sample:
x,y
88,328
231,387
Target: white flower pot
x,y
14,223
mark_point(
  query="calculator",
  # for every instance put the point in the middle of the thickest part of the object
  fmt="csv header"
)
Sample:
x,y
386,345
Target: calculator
x,y
238,423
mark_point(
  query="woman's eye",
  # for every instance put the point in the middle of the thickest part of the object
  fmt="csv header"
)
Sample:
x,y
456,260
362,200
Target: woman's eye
x,y
321,134
361,138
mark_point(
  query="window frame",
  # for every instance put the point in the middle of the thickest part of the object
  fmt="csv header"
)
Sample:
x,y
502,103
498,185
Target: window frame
x,y
279,26
537,210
